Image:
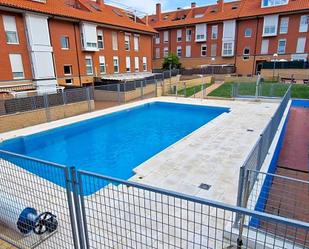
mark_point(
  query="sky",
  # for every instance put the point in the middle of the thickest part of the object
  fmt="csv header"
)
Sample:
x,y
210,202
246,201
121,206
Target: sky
x,y
149,6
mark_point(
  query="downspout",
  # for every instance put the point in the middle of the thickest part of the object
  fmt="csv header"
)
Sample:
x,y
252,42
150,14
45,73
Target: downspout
x,y
236,43
76,47
255,49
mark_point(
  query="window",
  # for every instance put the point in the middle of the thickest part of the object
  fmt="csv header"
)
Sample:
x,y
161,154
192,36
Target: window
x,y
198,15
203,50
116,64
200,34
271,3
179,35
301,42
248,32
270,25
64,42
89,65
157,38
128,64
303,26
281,46
17,66
100,39
265,45
145,63
67,70
89,37
10,29
102,65
214,32
189,35
165,52
213,51
188,51
179,51
157,53
69,81
115,40
136,64
127,42
228,49
136,43
165,37
246,54
284,25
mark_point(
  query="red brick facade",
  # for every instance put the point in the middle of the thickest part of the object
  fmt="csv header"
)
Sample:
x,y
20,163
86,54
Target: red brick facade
x,y
75,56
237,11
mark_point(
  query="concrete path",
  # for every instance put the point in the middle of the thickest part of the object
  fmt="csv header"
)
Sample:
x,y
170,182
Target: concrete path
x,y
209,89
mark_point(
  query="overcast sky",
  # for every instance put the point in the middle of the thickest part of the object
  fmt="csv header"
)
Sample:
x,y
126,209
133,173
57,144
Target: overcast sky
x,y
149,5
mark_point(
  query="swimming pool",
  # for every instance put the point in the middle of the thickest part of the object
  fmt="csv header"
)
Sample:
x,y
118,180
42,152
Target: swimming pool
x,y
116,143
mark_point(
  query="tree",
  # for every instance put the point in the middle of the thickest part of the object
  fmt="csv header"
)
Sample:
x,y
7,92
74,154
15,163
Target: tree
x,y
171,60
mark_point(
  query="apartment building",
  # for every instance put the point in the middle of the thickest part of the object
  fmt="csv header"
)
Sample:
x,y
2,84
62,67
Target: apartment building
x,y
241,33
70,42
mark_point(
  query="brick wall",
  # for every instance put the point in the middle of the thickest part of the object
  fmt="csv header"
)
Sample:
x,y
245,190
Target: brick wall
x,y
26,119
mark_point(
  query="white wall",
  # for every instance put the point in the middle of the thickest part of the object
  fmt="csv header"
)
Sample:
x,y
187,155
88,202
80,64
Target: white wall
x,y
41,51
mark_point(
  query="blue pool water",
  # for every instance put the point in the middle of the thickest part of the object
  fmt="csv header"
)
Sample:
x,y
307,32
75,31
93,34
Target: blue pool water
x,y
115,144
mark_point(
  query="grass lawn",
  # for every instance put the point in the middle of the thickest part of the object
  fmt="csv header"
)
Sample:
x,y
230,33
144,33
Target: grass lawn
x,y
267,90
191,90
224,91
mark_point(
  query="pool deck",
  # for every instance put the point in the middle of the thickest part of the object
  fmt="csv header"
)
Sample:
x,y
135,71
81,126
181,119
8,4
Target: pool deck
x,y
211,155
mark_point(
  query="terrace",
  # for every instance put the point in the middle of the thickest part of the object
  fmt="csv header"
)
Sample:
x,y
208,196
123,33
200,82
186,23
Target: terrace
x,y
218,187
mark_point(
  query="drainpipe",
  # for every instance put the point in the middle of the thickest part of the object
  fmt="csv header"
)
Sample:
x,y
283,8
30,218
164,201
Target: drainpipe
x,y
76,47
255,47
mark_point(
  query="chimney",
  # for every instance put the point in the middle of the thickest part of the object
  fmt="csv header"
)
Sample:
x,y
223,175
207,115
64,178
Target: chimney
x,y
220,4
193,4
99,2
158,11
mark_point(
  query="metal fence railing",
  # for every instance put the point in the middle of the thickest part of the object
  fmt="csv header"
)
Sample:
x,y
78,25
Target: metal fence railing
x,y
95,211
45,101
128,91
256,157
23,192
280,195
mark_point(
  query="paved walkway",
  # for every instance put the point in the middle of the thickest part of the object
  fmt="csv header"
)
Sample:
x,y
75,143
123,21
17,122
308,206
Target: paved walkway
x,y
294,153
209,89
290,198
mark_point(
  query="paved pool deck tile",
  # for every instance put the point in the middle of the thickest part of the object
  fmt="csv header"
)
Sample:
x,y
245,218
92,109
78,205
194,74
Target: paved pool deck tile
x,y
212,155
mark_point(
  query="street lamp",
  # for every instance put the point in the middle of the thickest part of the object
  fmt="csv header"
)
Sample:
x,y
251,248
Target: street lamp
x,y
275,56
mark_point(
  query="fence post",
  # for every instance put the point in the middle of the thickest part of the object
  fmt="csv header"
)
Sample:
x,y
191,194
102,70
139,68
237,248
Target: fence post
x,y
71,208
88,98
244,201
156,86
118,93
240,192
64,97
46,105
142,89
176,90
259,159
78,209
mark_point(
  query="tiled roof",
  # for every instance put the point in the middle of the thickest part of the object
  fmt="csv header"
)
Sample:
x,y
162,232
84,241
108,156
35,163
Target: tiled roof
x,y
86,11
210,13
231,10
253,7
